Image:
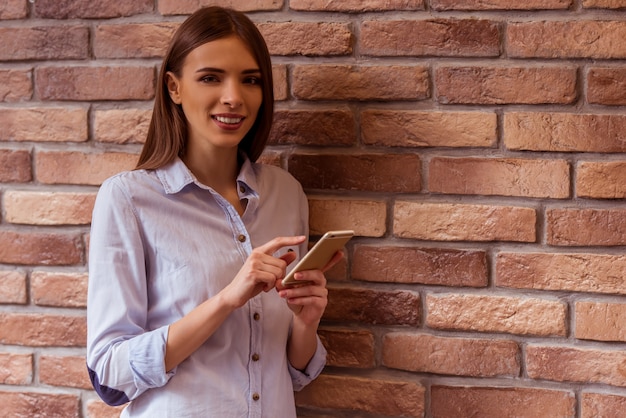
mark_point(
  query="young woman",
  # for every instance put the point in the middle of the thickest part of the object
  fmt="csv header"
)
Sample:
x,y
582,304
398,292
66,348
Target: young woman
x,y
186,314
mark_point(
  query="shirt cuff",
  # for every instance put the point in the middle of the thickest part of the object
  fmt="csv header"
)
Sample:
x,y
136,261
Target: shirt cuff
x,y
302,378
147,359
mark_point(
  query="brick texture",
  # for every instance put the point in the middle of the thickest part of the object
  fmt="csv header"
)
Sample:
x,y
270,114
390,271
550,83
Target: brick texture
x,y
549,39
564,132
575,272
459,222
525,316
497,176
477,149
448,401
428,129
361,83
382,397
431,266
13,287
566,364
491,85
451,356
440,37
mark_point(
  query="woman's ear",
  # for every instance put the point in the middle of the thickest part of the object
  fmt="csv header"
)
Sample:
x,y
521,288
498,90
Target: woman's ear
x,y
173,86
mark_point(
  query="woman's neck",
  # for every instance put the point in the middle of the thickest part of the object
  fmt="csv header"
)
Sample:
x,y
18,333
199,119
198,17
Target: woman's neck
x,y
217,170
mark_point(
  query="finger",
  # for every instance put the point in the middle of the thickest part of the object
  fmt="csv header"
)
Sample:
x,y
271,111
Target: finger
x,y
277,243
289,257
336,258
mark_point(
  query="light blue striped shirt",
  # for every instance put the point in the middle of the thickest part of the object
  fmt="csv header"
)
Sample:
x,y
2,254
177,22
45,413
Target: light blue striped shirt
x,y
161,244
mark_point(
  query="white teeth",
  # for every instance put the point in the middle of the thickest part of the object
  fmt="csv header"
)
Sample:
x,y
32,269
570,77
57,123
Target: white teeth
x,y
228,120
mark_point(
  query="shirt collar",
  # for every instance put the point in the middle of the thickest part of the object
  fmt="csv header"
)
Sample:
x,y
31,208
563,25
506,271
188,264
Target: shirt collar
x,y
175,176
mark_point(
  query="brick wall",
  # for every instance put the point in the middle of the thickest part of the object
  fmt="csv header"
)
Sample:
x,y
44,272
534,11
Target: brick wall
x,y
476,147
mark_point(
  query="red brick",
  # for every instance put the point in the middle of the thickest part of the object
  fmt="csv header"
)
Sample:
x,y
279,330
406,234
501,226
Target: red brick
x,y
68,167
403,128
519,402
513,315
281,85
425,353
491,85
578,272
13,9
48,208
98,409
95,83
372,306
594,405
567,364
606,86
16,369
43,330
307,38
431,266
87,9
185,7
139,40
366,217
378,396
271,158
321,127
550,39
67,371
564,132
394,173
600,321
122,126
601,180
500,176
438,37
443,5
348,82
44,43
586,227
13,287
348,348
16,85
15,166
355,6
34,404
604,4
44,124
463,222
40,248
59,289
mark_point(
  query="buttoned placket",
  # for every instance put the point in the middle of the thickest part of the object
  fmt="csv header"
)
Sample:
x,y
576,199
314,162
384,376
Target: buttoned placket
x,y
254,307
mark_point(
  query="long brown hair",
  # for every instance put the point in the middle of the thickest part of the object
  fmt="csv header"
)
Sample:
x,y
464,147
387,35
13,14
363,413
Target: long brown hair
x,y
167,134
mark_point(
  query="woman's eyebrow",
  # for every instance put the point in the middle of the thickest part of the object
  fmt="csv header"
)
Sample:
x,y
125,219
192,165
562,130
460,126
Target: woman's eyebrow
x,y
219,70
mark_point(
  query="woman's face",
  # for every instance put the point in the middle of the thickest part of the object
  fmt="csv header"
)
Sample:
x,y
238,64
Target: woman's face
x,y
220,93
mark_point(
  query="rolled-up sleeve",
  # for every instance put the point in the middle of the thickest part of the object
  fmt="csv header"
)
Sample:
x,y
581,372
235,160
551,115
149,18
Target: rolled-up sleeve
x,y
124,359
301,378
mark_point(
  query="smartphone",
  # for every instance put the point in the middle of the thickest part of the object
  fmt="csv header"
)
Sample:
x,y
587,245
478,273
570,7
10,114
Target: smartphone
x,y
319,255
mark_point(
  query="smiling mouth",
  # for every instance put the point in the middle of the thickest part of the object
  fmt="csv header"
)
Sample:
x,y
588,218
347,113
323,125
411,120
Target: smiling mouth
x,y
229,121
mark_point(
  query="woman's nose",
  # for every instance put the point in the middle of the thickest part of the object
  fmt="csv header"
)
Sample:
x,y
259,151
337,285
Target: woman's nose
x,y
231,94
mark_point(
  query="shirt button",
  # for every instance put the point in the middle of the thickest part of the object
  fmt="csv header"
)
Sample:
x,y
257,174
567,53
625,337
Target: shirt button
x,y
255,357
241,238
256,396
256,316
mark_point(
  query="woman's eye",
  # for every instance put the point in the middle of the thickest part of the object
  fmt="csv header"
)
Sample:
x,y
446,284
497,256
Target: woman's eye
x,y
253,80
209,79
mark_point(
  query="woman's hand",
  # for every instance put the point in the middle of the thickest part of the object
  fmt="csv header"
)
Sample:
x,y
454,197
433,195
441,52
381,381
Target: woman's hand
x,y
261,271
309,301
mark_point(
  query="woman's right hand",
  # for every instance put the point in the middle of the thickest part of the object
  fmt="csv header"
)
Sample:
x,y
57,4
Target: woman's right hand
x,y
261,271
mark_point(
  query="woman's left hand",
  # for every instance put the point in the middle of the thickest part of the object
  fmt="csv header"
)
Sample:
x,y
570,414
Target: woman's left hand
x,y
309,300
